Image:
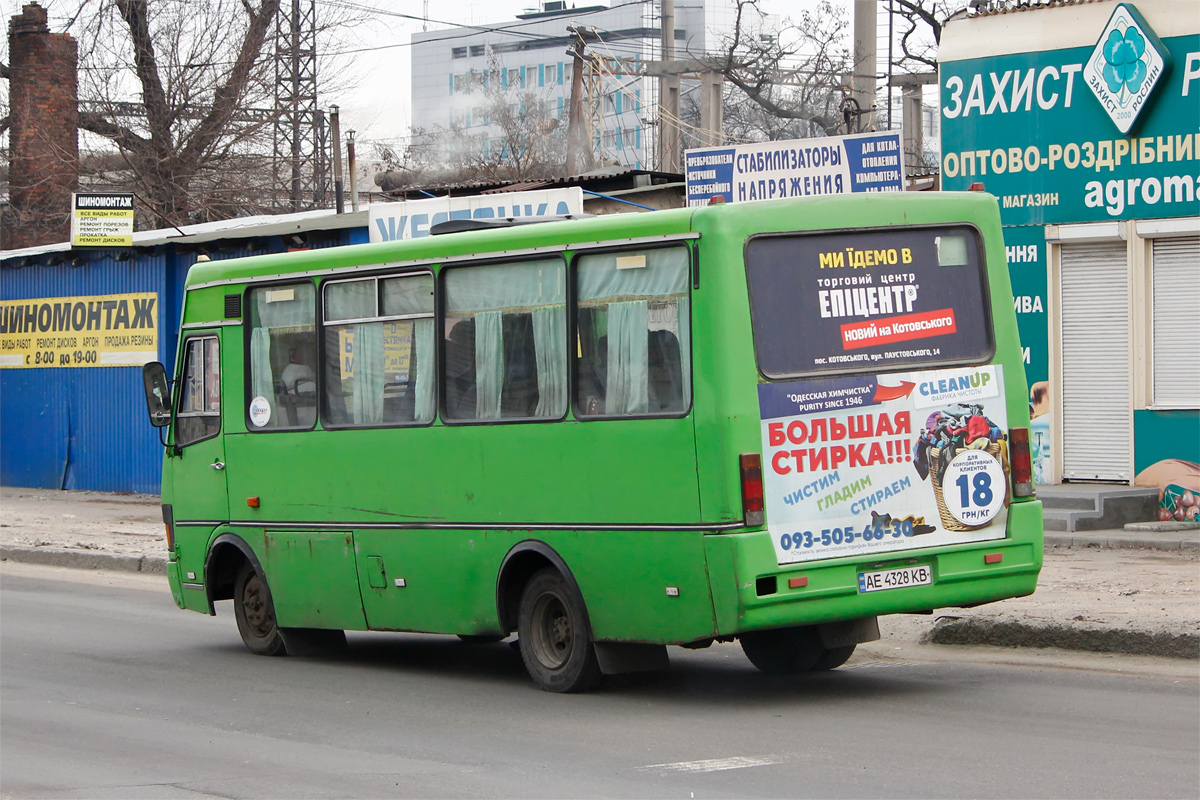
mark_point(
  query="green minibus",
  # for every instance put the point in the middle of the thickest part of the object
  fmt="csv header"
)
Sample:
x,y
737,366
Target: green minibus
x,y
770,422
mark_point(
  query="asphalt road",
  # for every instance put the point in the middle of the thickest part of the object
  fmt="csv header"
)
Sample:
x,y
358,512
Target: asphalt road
x,y
107,690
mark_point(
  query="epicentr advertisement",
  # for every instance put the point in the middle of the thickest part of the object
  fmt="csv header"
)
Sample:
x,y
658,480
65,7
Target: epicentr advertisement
x,y
845,302
883,464
109,330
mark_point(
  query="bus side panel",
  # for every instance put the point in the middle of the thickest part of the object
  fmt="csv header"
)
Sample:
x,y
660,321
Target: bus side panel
x,y
445,581
641,586
724,371
435,581
313,579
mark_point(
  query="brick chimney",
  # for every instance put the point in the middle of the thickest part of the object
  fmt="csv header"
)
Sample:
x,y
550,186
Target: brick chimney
x,y
43,132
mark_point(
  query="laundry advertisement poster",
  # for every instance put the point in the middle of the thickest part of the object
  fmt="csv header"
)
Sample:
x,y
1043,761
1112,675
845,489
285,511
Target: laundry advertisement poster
x,y
868,464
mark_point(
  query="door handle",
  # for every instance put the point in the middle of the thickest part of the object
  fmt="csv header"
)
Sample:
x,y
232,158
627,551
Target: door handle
x,y
218,465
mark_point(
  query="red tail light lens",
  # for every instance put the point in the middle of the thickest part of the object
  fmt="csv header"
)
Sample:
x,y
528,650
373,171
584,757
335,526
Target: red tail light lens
x,y
752,489
1022,464
168,515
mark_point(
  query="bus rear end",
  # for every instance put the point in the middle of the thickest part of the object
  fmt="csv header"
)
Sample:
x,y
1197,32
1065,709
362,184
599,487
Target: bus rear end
x,y
890,468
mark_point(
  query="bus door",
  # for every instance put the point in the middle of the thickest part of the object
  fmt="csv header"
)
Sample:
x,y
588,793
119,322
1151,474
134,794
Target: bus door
x,y
198,488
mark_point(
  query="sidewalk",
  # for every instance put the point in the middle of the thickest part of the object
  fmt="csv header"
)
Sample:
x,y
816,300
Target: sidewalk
x,y
1113,591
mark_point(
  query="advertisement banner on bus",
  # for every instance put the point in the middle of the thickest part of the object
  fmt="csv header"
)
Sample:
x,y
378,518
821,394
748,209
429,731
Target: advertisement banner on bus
x,y
840,303
865,162
880,464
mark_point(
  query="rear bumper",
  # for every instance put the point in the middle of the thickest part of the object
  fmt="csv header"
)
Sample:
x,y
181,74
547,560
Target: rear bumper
x,y
751,590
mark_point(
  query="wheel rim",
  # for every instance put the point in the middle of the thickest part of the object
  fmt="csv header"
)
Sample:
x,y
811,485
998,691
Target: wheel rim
x,y
553,631
256,608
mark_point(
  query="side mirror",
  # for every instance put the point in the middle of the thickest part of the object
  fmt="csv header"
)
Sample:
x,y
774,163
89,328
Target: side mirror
x,y
158,393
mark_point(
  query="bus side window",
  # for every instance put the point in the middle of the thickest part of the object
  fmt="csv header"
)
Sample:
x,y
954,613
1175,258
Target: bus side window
x,y
199,415
283,355
505,341
379,351
633,341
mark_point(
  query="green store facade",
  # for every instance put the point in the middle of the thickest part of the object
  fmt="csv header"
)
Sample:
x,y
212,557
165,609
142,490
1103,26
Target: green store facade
x,y
1083,118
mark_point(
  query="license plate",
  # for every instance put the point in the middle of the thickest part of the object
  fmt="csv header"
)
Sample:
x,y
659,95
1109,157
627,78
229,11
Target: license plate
x,y
895,578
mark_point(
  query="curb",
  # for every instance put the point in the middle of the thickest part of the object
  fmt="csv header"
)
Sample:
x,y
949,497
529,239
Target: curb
x,y
948,630
997,633
83,559
1143,541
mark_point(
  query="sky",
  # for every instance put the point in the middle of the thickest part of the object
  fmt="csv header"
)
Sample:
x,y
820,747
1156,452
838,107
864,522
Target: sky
x,y
378,108
377,51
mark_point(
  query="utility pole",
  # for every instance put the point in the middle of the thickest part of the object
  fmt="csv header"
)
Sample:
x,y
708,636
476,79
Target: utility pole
x,y
335,124
668,97
575,120
863,82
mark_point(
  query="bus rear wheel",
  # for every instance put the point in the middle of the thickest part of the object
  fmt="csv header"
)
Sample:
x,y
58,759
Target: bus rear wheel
x,y
255,614
787,651
555,637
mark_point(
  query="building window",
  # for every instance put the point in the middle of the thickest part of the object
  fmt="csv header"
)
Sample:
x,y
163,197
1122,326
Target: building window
x,y
199,415
1175,351
458,52
478,50
283,355
379,352
633,338
505,350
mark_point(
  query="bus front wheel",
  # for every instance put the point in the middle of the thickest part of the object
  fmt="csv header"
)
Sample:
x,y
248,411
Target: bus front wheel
x,y
555,639
786,651
255,613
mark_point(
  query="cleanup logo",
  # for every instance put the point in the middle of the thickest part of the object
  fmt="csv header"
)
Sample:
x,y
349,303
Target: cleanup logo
x,y
1125,66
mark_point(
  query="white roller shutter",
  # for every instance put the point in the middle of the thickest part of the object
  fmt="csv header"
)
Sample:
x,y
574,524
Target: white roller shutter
x,y
1175,265
1097,423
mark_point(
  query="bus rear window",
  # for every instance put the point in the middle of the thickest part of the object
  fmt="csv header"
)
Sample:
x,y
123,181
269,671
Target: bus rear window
x,y
868,301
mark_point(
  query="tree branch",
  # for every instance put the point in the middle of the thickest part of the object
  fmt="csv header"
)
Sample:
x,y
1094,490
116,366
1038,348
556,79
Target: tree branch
x,y
228,96
123,137
136,16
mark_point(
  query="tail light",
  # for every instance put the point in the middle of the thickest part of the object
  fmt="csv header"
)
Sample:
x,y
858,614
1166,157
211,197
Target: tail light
x,y
169,523
1022,464
752,489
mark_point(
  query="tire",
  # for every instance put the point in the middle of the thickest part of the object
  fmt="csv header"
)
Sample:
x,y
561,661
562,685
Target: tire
x,y
833,658
787,651
555,635
255,614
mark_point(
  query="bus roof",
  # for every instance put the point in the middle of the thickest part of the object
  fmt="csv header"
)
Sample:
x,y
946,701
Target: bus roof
x,y
809,213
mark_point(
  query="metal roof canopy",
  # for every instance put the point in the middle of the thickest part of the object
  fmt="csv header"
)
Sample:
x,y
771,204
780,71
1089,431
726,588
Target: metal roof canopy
x,y
237,228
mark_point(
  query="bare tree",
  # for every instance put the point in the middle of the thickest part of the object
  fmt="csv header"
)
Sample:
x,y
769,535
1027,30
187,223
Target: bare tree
x,y
501,133
195,68
796,72
918,30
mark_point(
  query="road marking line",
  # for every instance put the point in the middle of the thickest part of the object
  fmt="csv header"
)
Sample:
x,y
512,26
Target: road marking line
x,y
710,765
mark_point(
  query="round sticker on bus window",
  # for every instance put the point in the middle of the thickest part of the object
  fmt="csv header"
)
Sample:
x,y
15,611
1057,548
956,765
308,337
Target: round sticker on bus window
x,y
973,487
260,411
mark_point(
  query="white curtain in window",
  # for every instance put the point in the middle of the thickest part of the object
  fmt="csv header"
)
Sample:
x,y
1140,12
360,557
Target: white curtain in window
x,y
489,364
261,380
426,389
505,286
284,307
549,337
665,273
628,362
368,373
